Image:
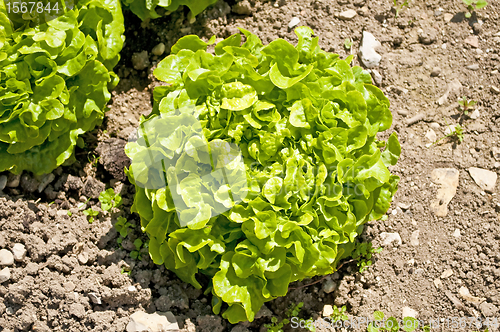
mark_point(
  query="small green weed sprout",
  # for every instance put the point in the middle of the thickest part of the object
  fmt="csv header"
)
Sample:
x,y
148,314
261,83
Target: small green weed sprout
x,y
339,314
466,104
109,199
473,5
399,6
122,226
136,254
457,132
363,254
348,43
276,326
91,213
391,324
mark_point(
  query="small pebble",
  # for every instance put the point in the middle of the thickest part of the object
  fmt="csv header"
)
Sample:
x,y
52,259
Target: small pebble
x,y
4,275
94,297
435,71
329,285
14,180
474,67
140,60
158,49
19,252
3,182
327,310
6,257
294,22
347,15
493,89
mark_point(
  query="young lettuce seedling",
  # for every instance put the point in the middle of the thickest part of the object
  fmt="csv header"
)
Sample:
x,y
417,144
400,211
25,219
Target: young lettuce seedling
x,y
473,5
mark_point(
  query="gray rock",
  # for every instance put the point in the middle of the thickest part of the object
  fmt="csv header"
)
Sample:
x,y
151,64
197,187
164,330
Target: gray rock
x,y
329,285
161,321
495,151
3,182
484,178
263,312
19,252
347,15
29,184
426,38
389,238
4,275
113,157
45,181
14,180
140,60
367,51
6,258
377,77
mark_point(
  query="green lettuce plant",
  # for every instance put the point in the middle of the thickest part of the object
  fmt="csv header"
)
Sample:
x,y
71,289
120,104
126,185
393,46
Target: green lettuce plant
x,y
147,9
54,81
259,165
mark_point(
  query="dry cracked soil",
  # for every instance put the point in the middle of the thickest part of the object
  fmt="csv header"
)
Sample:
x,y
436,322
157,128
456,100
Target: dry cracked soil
x,y
441,255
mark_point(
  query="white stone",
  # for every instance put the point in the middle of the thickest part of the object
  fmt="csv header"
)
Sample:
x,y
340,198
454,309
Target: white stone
x,y
438,283
369,57
409,312
156,322
431,135
414,238
348,15
466,295
132,288
484,178
327,310
6,257
448,179
294,22
158,49
95,298
456,233
4,275
446,273
475,114
19,252
389,238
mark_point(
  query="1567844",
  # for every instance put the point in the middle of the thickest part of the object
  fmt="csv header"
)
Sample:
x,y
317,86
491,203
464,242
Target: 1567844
x,y
25,7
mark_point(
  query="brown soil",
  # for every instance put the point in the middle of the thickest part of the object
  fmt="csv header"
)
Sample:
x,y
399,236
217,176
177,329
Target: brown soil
x,y
74,276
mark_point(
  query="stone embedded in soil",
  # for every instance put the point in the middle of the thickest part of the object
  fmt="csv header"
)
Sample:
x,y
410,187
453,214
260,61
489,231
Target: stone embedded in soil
x,y
4,275
6,258
243,8
347,15
327,310
294,22
431,135
389,238
484,178
3,182
14,180
140,60
456,233
162,321
159,49
438,283
435,71
447,17
19,252
495,90
495,151
95,298
446,273
29,184
92,188
467,296
488,309
473,67
377,77
329,285
454,87
414,238
409,312
472,41
113,157
369,57
448,179
45,181
475,114
427,38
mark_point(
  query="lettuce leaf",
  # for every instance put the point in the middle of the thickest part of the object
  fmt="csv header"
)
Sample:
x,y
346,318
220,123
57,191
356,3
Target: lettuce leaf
x,y
54,83
310,171
147,9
